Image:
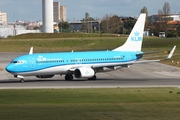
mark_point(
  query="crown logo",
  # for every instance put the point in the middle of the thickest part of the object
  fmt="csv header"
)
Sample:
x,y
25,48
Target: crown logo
x,y
136,37
136,33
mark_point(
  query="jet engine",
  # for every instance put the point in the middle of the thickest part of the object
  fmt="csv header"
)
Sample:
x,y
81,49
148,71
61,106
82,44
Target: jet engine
x,y
84,72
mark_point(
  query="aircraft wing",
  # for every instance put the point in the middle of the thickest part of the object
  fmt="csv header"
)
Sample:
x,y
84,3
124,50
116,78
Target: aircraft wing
x,y
171,53
125,64
122,64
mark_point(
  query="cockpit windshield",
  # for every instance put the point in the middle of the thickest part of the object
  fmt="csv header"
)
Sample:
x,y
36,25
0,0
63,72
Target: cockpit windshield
x,y
14,61
19,61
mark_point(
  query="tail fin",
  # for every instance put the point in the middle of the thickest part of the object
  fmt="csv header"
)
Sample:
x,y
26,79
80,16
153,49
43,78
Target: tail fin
x,y
134,41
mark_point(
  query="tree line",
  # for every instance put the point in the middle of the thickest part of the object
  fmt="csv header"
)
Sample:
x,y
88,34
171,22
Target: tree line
x,y
160,24
116,25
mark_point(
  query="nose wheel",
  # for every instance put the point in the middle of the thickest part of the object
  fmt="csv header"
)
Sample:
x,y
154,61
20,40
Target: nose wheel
x,y
22,80
20,77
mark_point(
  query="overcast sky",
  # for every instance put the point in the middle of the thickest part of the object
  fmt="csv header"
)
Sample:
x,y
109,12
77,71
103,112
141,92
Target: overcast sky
x,y
31,10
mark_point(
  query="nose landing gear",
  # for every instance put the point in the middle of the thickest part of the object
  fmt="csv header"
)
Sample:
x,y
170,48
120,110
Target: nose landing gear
x,y
20,77
22,80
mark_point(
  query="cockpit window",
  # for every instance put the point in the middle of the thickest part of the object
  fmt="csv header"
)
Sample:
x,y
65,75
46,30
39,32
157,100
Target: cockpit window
x,y
14,61
19,62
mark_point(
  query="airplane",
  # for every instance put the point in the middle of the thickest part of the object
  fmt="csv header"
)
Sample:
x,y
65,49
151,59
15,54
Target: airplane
x,y
82,64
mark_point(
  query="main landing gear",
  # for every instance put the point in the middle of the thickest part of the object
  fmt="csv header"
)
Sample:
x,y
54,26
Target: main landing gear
x,y
69,77
93,78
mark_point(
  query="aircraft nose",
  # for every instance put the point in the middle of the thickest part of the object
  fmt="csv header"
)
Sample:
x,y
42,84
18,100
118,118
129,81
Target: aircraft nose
x,y
9,68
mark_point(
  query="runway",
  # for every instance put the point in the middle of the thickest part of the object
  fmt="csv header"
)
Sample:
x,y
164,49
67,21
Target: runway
x,y
138,75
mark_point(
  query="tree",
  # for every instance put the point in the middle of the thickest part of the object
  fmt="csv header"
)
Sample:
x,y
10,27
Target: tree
x,y
64,26
144,10
111,24
86,16
166,12
87,26
105,24
178,30
161,24
160,12
128,25
114,24
166,8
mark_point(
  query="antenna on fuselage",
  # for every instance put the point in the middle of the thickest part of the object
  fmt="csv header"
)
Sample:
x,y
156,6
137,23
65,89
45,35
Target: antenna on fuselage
x,y
31,51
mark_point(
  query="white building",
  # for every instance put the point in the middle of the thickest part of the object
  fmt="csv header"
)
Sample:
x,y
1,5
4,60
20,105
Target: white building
x,y
63,13
59,12
56,11
175,17
3,17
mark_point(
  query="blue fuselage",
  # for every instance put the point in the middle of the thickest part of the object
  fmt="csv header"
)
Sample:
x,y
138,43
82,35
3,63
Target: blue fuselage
x,y
60,63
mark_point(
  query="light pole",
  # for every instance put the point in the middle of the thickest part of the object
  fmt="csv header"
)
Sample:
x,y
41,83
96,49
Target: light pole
x,y
99,28
61,26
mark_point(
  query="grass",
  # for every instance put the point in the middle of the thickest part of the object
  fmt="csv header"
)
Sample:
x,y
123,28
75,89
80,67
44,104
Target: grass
x,y
79,42
51,45
91,104
58,35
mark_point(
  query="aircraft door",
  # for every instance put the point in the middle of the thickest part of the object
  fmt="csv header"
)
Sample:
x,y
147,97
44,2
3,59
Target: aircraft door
x,y
31,62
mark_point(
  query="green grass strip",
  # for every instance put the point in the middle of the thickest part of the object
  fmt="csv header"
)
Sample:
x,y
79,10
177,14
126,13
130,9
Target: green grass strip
x,y
90,104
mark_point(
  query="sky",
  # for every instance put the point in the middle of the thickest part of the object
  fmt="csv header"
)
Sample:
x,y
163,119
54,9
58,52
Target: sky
x,y
31,10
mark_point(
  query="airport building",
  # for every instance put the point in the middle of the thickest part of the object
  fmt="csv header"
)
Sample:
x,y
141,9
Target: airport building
x,y
56,10
63,13
3,17
59,12
171,17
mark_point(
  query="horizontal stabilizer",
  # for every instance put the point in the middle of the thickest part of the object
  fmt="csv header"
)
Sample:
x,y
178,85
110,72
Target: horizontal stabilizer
x,y
152,52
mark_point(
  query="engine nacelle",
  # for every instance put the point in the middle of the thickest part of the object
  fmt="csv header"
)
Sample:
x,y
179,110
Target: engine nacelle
x,y
45,76
84,72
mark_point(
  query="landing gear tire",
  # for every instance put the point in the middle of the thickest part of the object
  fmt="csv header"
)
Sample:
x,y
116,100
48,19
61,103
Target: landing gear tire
x,y
22,80
93,78
69,77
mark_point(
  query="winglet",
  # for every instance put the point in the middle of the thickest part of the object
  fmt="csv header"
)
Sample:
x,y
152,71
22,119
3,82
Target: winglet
x,y
31,51
171,53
